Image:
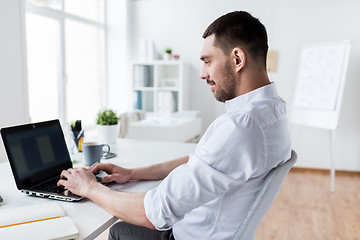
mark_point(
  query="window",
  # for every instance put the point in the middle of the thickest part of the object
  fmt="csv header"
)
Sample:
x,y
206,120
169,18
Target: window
x,y
65,56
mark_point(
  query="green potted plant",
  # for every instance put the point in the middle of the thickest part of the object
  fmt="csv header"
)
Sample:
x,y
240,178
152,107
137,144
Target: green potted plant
x,y
108,126
167,54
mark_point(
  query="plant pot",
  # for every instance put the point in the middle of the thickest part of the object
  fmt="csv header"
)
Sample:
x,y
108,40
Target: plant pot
x,y
108,133
167,56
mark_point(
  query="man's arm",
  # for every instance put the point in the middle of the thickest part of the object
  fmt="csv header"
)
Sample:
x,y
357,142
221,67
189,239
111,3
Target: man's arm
x,y
157,171
128,207
153,172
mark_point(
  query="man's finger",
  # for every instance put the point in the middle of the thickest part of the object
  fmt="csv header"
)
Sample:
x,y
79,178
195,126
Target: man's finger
x,y
61,182
108,178
94,167
64,173
100,167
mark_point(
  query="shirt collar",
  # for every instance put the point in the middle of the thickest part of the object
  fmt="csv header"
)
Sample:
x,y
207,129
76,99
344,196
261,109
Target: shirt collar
x,y
265,92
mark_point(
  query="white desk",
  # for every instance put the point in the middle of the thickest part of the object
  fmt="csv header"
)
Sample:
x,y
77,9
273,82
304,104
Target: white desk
x,y
90,219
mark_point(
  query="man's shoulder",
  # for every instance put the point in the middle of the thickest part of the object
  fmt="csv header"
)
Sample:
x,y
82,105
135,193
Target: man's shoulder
x,y
263,112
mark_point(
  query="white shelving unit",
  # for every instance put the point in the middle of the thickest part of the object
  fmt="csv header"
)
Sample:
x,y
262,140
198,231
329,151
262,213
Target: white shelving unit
x,y
159,86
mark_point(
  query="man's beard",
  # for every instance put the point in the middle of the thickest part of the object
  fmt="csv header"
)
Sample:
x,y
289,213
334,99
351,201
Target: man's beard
x,y
227,90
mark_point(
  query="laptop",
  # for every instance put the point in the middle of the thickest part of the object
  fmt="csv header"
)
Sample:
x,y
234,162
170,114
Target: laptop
x,y
37,153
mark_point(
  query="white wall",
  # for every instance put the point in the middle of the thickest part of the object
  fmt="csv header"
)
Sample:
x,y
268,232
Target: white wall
x,y
13,94
180,24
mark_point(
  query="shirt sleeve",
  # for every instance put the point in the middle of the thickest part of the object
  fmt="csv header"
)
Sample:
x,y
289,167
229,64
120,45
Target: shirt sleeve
x,y
219,164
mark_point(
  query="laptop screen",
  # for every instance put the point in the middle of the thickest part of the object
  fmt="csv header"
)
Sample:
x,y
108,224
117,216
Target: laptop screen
x,y
36,152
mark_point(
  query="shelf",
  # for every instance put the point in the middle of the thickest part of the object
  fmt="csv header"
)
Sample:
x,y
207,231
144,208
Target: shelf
x,y
150,89
170,89
158,86
158,62
144,89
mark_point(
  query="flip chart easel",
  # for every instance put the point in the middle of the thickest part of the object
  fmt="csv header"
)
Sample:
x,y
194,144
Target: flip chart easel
x,y
319,90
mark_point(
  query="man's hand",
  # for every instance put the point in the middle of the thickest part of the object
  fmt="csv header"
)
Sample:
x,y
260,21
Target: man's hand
x,y
115,173
79,181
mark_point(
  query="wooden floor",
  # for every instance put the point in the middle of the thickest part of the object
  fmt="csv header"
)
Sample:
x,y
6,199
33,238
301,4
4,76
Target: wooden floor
x,y
306,209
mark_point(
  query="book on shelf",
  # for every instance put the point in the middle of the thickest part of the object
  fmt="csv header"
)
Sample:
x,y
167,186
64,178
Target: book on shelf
x,y
39,221
138,100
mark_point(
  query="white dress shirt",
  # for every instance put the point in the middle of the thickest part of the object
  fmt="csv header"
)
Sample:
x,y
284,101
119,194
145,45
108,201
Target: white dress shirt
x,y
208,197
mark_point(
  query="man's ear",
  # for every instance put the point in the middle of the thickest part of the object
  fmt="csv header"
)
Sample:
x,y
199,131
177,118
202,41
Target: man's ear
x,y
239,58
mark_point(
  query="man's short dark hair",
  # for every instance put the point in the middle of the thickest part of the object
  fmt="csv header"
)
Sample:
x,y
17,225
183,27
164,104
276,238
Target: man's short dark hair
x,y
240,29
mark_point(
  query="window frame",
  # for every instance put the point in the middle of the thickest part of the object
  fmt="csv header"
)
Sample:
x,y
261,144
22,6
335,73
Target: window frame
x,y
61,16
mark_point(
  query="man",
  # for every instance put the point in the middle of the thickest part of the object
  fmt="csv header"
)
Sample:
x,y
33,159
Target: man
x,y
207,194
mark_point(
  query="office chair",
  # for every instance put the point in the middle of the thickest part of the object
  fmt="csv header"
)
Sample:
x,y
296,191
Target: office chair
x,y
264,198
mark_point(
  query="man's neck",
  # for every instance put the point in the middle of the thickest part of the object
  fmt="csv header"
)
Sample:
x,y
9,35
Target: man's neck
x,y
252,80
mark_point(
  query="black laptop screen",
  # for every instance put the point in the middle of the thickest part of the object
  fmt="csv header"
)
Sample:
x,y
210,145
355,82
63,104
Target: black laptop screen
x,y
36,152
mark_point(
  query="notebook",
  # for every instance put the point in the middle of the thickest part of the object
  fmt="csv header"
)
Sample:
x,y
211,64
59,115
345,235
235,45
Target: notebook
x,y
37,153
36,221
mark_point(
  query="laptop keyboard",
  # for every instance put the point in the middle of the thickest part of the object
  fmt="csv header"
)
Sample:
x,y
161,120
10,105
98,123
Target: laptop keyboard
x,y
51,186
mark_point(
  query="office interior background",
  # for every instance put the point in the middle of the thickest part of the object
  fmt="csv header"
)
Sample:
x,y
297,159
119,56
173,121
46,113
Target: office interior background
x,y
179,25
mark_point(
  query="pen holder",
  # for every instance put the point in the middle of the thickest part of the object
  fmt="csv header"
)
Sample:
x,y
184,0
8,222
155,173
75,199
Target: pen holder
x,y
78,138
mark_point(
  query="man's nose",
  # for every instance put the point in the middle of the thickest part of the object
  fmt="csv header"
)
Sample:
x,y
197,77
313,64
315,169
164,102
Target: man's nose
x,y
204,74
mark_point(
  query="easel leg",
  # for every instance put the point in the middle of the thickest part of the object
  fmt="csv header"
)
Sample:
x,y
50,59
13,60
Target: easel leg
x,y
333,150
